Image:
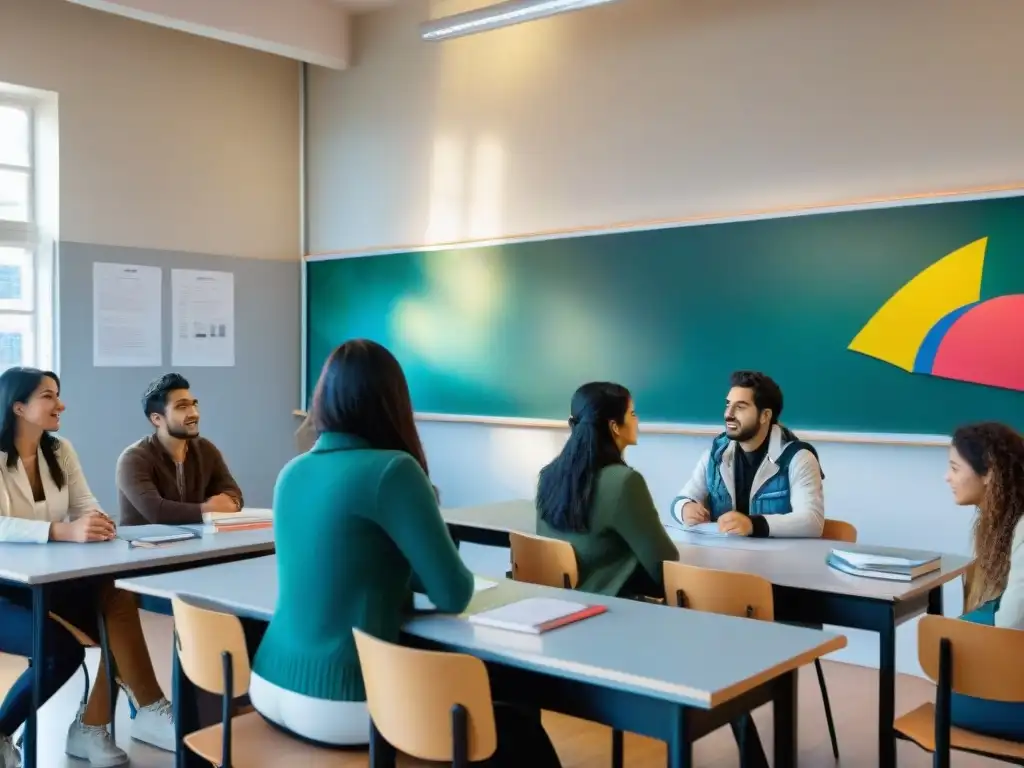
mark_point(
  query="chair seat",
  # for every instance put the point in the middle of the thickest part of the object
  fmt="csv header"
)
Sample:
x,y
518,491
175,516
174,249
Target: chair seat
x,y
255,743
919,726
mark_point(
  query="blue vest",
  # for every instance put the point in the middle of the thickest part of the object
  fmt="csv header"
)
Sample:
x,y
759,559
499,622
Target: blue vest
x,y
772,498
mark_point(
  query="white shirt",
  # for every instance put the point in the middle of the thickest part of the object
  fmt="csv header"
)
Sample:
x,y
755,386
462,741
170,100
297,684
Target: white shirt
x,y
22,518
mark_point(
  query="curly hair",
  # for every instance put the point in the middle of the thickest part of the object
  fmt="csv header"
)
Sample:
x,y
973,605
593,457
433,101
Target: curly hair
x,y
997,451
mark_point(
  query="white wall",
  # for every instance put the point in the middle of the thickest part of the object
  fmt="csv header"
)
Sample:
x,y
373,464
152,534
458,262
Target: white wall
x,y
167,140
650,109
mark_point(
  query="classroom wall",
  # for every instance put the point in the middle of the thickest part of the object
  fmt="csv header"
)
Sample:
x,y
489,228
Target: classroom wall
x,y
175,151
651,109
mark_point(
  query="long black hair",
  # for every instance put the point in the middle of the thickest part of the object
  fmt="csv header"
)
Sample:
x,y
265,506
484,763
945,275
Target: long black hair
x,y
16,386
363,392
566,485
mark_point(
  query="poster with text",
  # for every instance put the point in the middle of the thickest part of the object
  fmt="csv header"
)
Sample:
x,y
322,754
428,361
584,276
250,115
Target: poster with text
x,y
126,322
202,318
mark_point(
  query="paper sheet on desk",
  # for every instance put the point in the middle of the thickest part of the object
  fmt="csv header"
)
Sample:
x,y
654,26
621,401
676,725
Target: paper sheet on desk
x,y
705,529
421,602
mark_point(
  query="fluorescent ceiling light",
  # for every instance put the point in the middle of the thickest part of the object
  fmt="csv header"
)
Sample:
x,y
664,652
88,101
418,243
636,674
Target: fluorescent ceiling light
x,y
501,15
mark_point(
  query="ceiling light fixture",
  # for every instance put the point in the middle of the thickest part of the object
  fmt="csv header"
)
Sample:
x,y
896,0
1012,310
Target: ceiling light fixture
x,y
501,15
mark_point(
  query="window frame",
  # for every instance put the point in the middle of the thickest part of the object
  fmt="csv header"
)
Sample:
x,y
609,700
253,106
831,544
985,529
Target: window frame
x,y
28,236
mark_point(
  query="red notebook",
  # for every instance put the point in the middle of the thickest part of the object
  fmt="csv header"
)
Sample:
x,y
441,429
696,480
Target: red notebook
x,y
536,615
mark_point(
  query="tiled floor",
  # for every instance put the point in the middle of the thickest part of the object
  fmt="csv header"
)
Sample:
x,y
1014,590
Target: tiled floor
x,y
853,690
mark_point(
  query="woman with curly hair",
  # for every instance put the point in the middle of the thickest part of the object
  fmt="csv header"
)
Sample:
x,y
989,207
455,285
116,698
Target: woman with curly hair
x,y
986,470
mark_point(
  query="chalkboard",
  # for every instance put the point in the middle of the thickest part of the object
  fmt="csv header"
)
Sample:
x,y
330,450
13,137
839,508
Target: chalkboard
x,y
512,329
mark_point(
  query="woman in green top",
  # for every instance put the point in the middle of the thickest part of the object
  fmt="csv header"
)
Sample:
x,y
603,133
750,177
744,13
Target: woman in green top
x,y
357,528
588,497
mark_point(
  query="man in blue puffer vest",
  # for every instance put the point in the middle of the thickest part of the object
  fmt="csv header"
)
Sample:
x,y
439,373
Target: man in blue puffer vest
x,y
757,479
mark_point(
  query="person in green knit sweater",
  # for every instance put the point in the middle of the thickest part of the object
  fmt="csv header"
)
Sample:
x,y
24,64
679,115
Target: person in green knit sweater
x,y
590,498
986,471
357,529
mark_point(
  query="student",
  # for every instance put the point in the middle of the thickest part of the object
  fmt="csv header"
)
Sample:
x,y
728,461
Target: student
x,y
986,471
174,475
757,479
44,498
357,526
590,498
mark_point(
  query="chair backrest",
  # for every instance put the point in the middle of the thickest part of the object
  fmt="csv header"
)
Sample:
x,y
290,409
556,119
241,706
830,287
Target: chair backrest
x,y
202,636
544,561
986,660
713,591
411,693
839,530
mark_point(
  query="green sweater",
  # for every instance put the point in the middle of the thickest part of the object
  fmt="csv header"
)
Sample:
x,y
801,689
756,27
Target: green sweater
x,y
624,532
355,528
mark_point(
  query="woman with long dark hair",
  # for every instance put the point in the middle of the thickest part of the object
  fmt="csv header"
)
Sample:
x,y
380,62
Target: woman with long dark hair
x,y
356,525
45,498
986,471
589,497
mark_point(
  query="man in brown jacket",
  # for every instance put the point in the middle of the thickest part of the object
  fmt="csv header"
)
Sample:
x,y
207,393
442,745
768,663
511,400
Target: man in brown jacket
x,y
173,476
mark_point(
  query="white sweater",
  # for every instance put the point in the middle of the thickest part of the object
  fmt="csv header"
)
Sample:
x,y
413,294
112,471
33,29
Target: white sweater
x,y
1011,607
22,519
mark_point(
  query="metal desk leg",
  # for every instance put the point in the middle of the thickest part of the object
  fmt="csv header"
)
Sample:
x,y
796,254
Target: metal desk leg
x,y
887,692
785,720
680,748
40,616
935,606
108,663
382,754
185,711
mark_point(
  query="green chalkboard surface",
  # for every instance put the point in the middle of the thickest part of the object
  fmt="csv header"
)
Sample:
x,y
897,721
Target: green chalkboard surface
x,y
512,329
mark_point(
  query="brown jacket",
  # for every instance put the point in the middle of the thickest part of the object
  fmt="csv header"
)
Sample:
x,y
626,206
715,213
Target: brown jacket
x,y
147,482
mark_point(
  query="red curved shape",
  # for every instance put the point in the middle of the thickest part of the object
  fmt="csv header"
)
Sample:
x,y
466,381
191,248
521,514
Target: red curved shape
x,y
986,345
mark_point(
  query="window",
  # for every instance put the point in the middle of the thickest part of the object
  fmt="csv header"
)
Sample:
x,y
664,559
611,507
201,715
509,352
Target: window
x,y
25,287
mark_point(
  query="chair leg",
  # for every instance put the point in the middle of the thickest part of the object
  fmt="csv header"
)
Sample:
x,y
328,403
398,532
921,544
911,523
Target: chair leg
x,y
88,687
828,708
108,659
618,748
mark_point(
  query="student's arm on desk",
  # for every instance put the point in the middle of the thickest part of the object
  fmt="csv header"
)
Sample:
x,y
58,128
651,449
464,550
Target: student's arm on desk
x,y
134,481
638,523
1011,607
221,480
807,499
407,506
695,490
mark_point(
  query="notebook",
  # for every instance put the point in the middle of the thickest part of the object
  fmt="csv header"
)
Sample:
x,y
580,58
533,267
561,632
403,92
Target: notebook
x,y
536,615
705,529
884,563
248,519
152,536
421,602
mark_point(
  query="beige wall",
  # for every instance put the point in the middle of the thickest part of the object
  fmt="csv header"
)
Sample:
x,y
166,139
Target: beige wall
x,y
166,140
646,109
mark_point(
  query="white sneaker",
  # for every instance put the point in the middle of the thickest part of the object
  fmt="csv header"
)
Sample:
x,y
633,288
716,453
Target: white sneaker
x,y
93,743
9,755
154,725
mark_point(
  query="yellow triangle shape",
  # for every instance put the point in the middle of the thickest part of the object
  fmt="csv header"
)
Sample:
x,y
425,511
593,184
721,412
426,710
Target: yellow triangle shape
x,y
895,332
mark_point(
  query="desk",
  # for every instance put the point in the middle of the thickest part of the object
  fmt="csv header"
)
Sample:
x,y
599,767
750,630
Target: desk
x,y
805,589
40,568
639,667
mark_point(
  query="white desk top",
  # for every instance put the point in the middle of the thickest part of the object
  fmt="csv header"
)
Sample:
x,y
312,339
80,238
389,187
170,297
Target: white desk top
x,y
679,655
58,561
792,563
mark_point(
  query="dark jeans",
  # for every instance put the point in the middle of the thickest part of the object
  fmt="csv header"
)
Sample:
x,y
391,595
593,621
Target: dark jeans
x,y
62,655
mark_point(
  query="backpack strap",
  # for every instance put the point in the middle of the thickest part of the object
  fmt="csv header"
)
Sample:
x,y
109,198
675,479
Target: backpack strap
x,y
791,450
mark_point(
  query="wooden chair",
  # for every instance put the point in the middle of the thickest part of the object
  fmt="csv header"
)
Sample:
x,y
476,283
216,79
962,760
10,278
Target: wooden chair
x,y
552,563
428,704
213,655
544,561
973,660
729,593
839,530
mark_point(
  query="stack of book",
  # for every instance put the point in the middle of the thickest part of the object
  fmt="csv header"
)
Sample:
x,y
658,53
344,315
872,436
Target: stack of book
x,y
891,564
249,519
